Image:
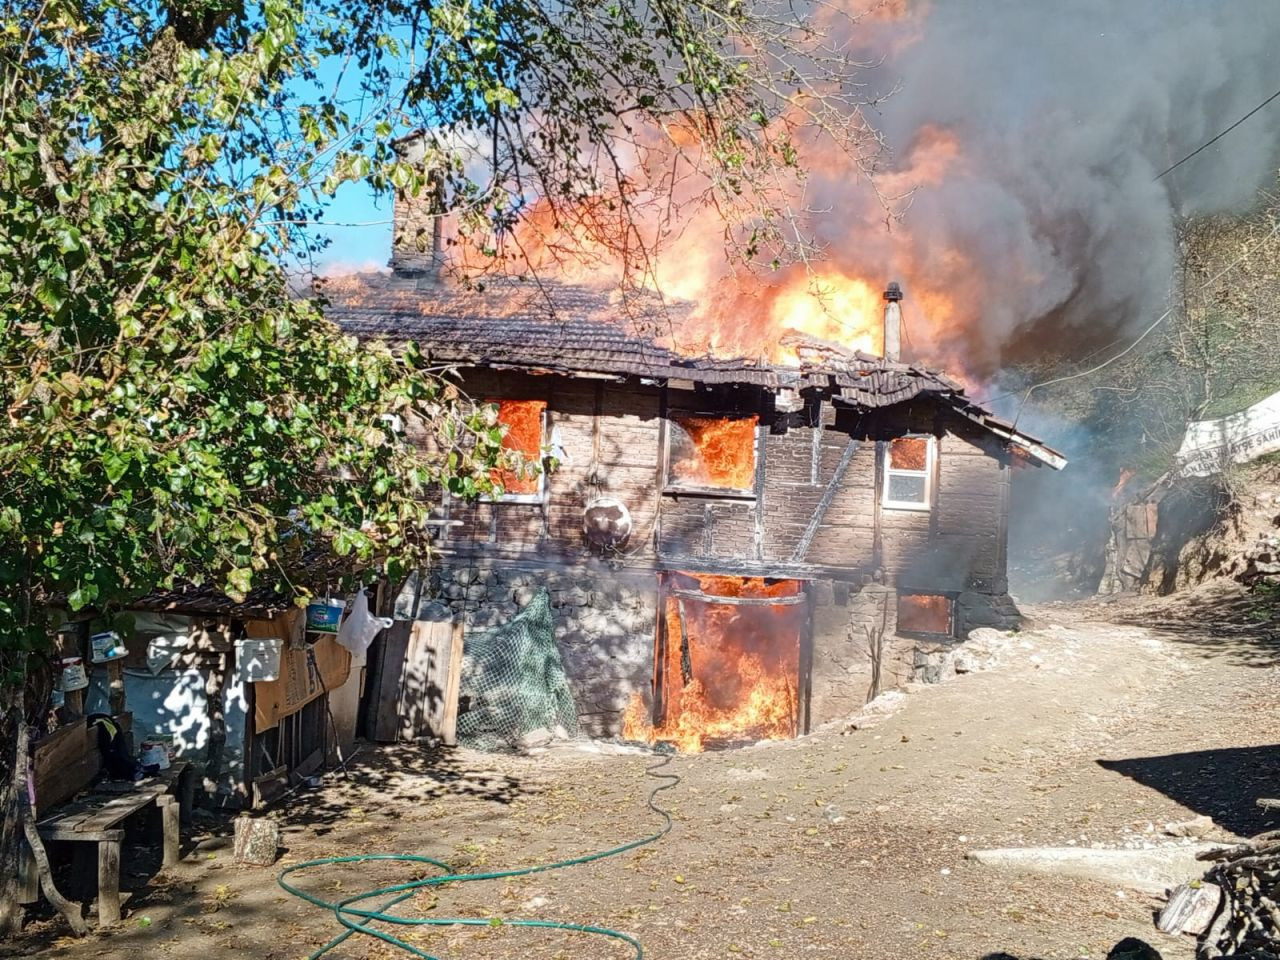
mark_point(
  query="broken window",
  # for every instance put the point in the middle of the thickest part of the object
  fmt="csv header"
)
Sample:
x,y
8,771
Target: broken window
x,y
908,470
712,453
523,420
927,613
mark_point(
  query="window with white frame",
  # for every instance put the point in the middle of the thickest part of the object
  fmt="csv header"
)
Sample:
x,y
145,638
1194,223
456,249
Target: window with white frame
x,y
908,473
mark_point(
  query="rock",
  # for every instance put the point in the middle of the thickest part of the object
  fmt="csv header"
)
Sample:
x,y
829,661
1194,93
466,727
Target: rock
x,y
466,576
1197,827
536,738
524,595
256,841
573,597
1150,871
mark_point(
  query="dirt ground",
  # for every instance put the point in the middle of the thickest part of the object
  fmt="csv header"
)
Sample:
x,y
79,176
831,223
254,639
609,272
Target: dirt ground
x,y
1098,726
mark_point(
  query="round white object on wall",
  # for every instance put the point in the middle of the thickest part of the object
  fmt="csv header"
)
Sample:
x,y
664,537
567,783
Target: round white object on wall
x,y
606,523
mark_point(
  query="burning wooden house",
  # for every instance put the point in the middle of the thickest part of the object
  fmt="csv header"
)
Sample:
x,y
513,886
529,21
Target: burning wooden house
x,y
734,549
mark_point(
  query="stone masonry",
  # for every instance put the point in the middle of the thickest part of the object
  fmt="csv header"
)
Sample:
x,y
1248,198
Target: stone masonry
x,y
605,627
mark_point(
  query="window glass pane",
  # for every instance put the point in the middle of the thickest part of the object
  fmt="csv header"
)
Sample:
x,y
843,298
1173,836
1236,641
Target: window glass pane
x,y
924,613
718,452
523,420
909,453
907,488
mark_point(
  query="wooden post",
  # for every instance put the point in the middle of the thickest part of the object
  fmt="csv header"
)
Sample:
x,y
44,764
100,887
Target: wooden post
x,y
214,686
115,682
74,699
453,683
28,875
170,811
108,882
186,794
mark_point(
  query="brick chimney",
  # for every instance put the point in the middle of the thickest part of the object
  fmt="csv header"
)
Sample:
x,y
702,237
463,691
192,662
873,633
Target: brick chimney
x,y
893,322
417,234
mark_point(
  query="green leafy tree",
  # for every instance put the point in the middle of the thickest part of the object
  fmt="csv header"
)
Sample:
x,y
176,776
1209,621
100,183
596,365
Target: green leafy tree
x,y
172,407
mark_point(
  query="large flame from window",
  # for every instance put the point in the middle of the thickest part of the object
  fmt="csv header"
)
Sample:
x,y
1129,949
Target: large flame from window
x,y
523,438
712,452
728,671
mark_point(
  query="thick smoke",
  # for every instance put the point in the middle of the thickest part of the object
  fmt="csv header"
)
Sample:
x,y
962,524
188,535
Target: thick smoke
x,y
1048,220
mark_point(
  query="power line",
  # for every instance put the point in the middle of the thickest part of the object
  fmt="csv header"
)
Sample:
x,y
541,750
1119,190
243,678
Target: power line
x,y
1142,336
1210,143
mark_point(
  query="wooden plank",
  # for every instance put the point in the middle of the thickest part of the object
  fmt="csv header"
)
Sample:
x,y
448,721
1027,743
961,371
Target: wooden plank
x,y
453,685
169,814
425,684
385,682
114,811
108,882
310,764
65,763
79,836
270,785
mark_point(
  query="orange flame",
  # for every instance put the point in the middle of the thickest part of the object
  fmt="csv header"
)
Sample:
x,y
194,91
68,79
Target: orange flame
x,y
523,420
728,671
836,297
720,452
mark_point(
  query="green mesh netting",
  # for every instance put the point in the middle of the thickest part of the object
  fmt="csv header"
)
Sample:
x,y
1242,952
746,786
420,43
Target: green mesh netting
x,y
513,682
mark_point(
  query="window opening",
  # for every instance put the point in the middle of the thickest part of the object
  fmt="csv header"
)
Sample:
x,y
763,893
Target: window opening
x,y
712,453
908,472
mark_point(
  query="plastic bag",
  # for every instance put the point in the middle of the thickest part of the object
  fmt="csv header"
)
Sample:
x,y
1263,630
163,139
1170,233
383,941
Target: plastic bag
x,y
361,626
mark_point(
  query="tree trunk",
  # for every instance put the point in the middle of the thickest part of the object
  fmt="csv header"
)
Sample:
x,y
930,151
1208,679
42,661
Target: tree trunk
x,y
20,820
11,911
214,689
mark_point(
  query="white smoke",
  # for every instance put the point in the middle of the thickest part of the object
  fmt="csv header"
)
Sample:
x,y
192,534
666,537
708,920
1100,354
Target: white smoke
x,y
1065,114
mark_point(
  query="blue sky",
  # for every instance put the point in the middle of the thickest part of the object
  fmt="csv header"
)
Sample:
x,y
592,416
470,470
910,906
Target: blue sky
x,y
356,243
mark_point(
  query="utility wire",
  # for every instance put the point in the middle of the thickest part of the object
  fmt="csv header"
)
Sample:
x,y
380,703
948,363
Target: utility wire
x,y
1142,336
1210,143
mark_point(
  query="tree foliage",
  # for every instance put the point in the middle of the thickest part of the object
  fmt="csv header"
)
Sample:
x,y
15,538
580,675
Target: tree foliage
x,y
172,408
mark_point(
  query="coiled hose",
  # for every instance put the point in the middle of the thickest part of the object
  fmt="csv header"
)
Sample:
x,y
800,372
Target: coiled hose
x,y
359,919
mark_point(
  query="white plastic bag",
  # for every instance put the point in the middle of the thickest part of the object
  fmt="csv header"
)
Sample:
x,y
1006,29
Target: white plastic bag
x,y
361,626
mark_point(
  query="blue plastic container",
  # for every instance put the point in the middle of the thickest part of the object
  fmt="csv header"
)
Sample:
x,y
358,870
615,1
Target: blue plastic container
x,y
323,616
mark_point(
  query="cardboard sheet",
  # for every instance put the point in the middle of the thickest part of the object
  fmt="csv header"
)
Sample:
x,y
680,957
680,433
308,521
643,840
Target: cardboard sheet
x,y
297,684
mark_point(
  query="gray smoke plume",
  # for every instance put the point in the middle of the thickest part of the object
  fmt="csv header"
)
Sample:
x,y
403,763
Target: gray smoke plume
x,y
1064,113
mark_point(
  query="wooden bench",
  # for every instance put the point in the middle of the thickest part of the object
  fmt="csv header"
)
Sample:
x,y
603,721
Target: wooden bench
x,y
97,816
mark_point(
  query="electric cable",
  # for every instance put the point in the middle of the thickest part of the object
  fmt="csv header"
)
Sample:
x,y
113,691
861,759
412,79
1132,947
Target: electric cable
x,y
360,919
1142,336
1211,142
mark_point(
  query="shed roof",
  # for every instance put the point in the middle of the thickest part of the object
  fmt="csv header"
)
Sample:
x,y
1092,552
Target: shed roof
x,y
542,326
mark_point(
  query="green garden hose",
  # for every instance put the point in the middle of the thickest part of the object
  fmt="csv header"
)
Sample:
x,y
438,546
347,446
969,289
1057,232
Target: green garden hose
x,y
361,919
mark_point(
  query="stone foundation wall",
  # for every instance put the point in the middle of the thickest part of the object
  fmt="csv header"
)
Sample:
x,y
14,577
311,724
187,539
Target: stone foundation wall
x,y
974,610
606,623
842,665
842,662
605,626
